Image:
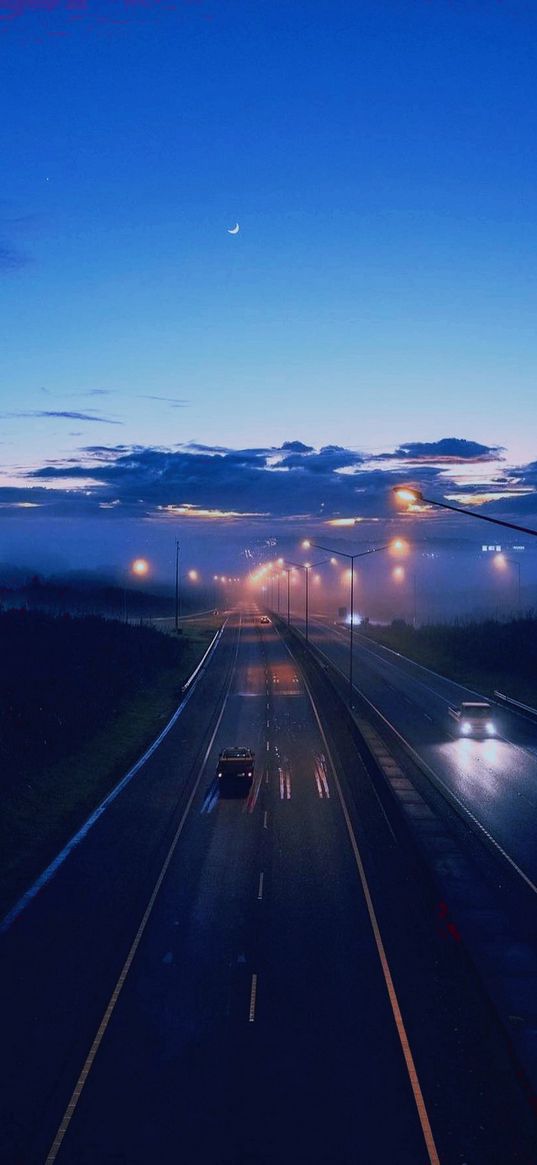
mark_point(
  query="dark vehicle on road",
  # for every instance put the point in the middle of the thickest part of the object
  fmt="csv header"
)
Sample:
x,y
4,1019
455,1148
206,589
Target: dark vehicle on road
x,y
474,718
235,770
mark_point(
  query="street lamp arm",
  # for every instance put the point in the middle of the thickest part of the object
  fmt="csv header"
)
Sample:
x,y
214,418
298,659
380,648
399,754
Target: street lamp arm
x,y
345,554
418,497
483,517
330,550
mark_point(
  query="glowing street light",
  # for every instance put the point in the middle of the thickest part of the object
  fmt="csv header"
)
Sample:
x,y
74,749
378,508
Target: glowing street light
x,y
500,561
396,544
193,575
140,567
414,496
307,567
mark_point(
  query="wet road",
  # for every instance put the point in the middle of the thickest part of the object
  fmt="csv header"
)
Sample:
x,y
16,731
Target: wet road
x,y
227,980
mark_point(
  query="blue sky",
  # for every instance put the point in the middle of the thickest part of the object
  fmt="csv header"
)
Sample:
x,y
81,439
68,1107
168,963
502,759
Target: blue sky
x,y
380,159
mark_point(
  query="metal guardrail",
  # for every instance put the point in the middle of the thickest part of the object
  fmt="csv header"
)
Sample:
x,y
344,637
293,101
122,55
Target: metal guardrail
x,y
516,704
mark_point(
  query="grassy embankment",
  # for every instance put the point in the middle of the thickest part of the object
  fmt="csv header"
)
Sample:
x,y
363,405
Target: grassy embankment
x,y
485,656
80,700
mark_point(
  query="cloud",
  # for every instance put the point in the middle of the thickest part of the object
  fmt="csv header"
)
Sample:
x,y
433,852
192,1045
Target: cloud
x,y
449,449
274,481
63,414
175,401
281,483
297,447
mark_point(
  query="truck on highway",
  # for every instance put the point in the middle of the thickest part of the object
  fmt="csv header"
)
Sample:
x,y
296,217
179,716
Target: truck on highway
x,y
235,769
474,718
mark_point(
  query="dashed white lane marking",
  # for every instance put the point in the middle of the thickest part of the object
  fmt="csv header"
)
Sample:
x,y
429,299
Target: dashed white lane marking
x,y
265,820
260,887
268,746
268,723
253,997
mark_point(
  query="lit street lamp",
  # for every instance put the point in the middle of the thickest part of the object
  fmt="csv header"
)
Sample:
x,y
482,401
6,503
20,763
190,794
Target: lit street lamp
x,y
140,568
411,496
500,561
306,567
395,545
399,575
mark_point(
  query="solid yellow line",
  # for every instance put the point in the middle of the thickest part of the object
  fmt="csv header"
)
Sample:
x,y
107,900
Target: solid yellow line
x,y
396,1010
88,1064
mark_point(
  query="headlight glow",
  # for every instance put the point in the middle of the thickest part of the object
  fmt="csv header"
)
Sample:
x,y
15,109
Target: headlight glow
x,y
490,728
465,727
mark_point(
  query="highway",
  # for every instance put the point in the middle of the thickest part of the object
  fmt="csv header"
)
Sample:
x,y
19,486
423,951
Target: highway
x,y
248,981
495,779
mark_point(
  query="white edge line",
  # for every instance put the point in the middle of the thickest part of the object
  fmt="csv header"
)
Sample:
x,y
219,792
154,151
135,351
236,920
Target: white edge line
x,y
79,836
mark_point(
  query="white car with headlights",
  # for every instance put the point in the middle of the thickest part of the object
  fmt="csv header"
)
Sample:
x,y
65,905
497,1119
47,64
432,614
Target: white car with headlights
x,y
474,718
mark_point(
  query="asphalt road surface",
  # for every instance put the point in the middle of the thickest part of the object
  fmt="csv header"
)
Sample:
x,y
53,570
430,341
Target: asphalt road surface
x,y
227,980
495,779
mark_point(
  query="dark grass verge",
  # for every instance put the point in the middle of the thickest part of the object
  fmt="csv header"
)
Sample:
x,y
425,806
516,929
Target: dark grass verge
x,y
486,656
42,810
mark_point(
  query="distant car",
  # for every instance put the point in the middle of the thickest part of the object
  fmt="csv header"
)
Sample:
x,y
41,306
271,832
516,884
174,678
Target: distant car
x,y
474,718
264,619
235,769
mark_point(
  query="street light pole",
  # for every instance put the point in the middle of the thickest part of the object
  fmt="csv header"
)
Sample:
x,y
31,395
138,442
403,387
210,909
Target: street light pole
x,y
351,684
307,580
306,567
288,573
177,601
352,557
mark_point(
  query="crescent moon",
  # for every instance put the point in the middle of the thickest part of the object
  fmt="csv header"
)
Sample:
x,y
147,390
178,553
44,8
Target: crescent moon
x,y
234,230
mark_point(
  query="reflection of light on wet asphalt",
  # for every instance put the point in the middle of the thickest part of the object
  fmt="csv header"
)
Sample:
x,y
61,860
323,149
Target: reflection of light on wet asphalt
x,y
285,785
211,798
321,777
